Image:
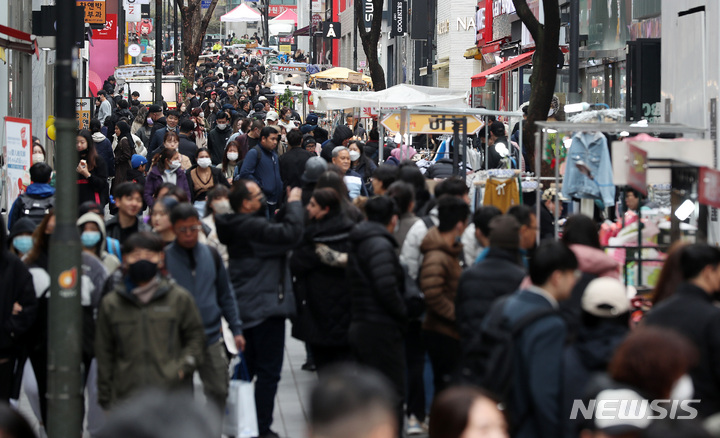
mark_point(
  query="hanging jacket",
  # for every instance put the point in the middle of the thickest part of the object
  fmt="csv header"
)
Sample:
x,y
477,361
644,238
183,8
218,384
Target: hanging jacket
x,y
591,149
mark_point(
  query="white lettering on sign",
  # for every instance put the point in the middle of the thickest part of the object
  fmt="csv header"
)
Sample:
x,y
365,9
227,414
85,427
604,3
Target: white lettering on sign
x,y
503,7
369,10
465,23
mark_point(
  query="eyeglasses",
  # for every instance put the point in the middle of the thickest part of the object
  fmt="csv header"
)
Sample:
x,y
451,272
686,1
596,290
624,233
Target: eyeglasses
x,y
192,229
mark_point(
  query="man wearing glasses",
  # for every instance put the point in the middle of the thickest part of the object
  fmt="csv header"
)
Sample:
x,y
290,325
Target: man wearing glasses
x,y
199,269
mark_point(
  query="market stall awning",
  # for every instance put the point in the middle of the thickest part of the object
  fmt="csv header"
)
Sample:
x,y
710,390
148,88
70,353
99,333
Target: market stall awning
x,y
339,73
242,13
393,97
479,79
18,40
472,53
287,16
303,31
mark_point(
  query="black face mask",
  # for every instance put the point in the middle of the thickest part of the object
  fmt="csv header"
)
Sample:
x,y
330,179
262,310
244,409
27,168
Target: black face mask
x,y
142,271
83,154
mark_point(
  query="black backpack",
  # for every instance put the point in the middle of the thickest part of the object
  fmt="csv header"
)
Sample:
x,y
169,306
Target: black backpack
x,y
35,208
489,362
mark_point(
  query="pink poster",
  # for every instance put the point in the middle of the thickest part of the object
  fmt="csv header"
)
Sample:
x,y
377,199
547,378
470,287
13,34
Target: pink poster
x,y
103,54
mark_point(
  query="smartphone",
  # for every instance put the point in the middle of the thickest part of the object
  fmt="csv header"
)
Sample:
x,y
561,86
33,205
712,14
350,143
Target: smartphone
x,y
83,163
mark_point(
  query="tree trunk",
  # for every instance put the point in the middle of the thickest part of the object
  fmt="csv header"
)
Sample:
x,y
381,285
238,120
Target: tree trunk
x,y
370,41
542,80
194,27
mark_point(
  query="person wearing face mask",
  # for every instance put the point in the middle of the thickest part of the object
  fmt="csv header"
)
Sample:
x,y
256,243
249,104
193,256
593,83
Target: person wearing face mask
x,y
219,136
163,355
353,182
691,312
166,168
18,306
21,236
92,237
361,164
172,141
217,201
92,171
123,152
202,178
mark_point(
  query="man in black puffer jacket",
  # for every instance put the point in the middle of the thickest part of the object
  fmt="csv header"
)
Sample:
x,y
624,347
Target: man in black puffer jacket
x,y
341,137
500,273
376,279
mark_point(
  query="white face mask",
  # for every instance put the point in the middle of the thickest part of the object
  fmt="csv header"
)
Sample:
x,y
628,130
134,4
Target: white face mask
x,y
175,165
201,114
354,155
683,389
222,126
204,162
38,158
232,156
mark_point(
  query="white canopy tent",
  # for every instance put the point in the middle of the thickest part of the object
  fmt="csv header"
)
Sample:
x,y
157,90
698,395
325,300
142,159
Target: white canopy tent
x,y
397,96
242,13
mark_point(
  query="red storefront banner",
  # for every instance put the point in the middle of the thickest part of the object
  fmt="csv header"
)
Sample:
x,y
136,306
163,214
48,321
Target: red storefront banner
x,y
276,10
109,31
709,187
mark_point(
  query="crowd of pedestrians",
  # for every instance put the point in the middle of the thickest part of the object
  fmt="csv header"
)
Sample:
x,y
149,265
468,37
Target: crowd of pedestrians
x,y
227,211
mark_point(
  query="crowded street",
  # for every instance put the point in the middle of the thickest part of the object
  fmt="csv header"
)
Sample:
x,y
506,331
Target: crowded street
x,y
359,219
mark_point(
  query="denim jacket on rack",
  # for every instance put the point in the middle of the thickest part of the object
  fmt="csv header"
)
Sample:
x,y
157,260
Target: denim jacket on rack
x,y
592,149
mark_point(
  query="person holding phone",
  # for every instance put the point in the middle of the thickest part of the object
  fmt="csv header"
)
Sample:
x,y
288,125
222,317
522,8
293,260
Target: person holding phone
x,y
92,171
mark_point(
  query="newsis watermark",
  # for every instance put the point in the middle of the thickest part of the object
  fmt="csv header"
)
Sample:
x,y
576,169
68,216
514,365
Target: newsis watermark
x,y
634,409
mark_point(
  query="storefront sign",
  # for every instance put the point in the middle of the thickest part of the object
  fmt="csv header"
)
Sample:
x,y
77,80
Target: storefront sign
x,y
109,31
133,14
129,71
18,156
83,106
484,22
429,124
368,11
94,11
331,30
637,169
503,7
399,21
301,68
709,187
275,10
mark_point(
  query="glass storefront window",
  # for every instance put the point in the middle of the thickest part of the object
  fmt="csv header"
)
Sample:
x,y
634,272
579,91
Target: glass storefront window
x,y
596,86
486,96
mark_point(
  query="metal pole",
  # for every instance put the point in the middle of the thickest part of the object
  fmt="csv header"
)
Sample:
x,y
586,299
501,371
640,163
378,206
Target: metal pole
x,y
557,183
538,191
456,147
381,139
158,51
175,39
122,29
64,372
311,32
574,95
355,37
463,125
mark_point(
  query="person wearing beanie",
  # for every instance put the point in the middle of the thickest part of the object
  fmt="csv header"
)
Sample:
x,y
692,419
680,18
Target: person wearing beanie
x,y
20,239
500,273
341,137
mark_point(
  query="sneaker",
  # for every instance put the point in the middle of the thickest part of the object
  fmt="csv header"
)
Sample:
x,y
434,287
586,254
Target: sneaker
x,y
270,434
308,366
414,427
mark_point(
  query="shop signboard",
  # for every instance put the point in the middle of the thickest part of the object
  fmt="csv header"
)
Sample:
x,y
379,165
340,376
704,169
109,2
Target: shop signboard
x,y
399,18
83,108
368,12
109,30
133,14
17,154
709,187
428,123
331,30
285,48
129,71
94,11
637,169
275,10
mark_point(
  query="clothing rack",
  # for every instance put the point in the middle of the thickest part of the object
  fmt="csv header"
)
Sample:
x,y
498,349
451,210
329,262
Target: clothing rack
x,y
545,128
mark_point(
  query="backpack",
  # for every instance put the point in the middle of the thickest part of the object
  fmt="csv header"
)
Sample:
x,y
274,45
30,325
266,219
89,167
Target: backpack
x,y
113,247
35,208
238,166
489,361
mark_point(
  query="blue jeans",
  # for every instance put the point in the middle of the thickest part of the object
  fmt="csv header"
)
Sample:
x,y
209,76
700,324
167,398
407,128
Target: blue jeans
x,y
264,350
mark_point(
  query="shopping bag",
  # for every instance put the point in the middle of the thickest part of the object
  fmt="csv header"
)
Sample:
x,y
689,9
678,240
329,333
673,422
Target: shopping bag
x,y
240,415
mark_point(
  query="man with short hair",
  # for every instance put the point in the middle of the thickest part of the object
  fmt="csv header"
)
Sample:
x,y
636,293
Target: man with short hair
x,y
156,143
534,402
349,401
377,284
262,165
438,279
38,199
187,147
129,201
105,110
260,275
353,180
692,313
199,269
218,137
292,162
135,98
192,95
383,176
149,332
528,229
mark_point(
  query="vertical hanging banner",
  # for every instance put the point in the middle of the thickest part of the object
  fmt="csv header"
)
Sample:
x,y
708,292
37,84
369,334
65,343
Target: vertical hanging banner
x,y
399,21
368,12
18,155
83,108
133,11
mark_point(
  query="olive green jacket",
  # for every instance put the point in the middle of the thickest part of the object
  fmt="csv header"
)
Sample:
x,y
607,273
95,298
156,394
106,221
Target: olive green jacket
x,y
138,345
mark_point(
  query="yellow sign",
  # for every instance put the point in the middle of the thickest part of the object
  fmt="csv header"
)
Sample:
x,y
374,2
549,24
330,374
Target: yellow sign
x,y
430,123
285,48
94,11
82,112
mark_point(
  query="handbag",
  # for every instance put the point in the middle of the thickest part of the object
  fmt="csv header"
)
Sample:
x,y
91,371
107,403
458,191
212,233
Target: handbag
x,y
240,419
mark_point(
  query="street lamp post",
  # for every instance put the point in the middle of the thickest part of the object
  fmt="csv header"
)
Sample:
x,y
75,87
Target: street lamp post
x,y
158,51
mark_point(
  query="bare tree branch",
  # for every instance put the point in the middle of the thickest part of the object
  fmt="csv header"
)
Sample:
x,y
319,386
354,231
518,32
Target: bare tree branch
x,y
528,18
